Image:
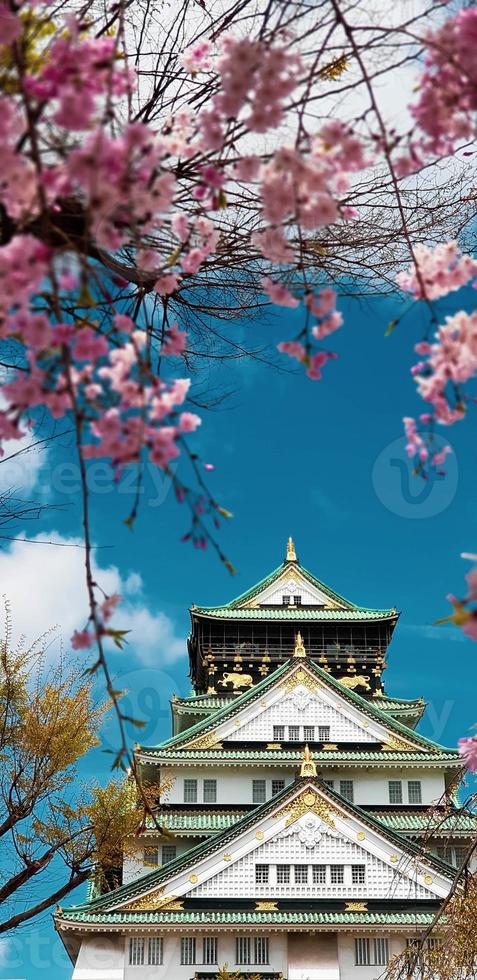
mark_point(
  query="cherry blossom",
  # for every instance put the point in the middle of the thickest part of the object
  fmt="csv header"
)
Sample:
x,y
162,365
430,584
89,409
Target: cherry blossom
x,y
468,751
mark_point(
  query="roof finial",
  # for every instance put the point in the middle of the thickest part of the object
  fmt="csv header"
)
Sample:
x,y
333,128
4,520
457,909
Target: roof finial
x,y
291,553
308,767
299,650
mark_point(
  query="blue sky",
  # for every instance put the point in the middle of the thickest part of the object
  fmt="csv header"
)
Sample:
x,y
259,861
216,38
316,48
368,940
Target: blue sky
x,y
323,461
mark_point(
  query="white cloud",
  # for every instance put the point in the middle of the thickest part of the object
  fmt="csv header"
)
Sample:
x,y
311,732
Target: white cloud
x,y
45,585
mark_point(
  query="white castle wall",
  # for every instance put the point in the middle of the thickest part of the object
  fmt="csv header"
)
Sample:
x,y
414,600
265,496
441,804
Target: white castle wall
x,y
104,958
235,785
100,958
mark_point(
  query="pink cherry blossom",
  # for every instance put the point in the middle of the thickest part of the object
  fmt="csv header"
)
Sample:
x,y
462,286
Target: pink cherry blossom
x,y
468,751
188,422
442,269
174,341
167,284
109,605
82,639
278,293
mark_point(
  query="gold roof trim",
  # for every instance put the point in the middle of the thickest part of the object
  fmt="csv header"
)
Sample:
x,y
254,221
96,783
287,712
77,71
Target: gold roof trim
x,y
308,766
308,802
291,553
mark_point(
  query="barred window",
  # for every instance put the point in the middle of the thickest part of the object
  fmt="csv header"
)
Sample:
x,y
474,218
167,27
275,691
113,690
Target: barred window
x,y
294,733
243,950
319,874
210,791
277,786
459,856
347,789
371,952
278,733
395,791
362,955
209,950
259,790
286,600
309,733
260,950
283,874
261,874
381,952
188,951
297,600
136,951
301,874
414,791
190,791
155,951
337,874
169,852
358,874
433,943
151,856
323,733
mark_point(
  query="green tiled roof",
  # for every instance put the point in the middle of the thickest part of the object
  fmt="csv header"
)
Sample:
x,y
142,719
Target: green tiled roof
x,y
282,757
405,821
401,704
300,613
460,822
370,708
193,855
240,918
347,610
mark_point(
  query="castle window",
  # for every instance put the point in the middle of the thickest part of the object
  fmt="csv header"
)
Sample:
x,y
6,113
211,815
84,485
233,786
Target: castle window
x,y
261,874
136,951
309,733
358,874
294,733
362,953
278,733
277,786
371,952
347,789
285,600
297,600
209,950
395,791
188,951
190,791
319,874
261,944
283,874
169,852
414,791
151,856
323,733
381,951
330,783
154,951
259,791
459,856
210,791
243,950
337,874
301,874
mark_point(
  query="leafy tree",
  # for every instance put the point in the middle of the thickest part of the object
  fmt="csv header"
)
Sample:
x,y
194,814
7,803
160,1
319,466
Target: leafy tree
x,y
51,828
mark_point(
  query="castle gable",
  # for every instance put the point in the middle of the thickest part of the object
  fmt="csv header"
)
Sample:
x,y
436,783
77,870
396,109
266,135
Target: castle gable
x,y
305,842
